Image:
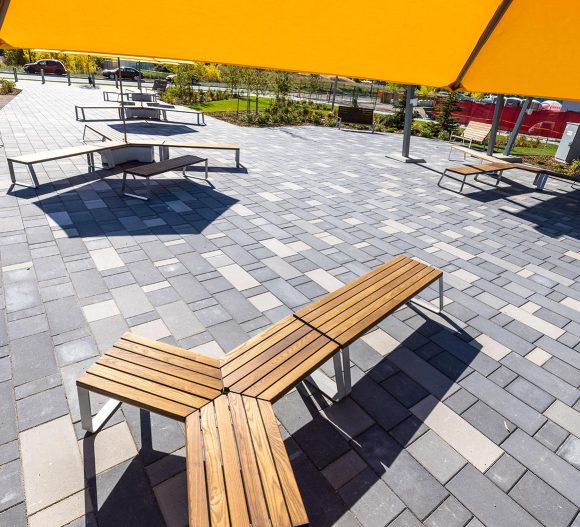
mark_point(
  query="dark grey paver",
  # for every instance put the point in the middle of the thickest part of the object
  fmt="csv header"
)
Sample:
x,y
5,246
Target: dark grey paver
x,y
570,451
449,514
551,435
530,394
505,472
32,358
488,421
11,492
41,408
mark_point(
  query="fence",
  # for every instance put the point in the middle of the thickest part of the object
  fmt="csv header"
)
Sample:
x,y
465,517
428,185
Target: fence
x,y
544,123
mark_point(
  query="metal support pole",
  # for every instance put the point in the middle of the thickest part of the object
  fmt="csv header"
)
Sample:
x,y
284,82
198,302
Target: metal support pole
x,y
15,74
93,80
121,90
334,87
117,79
516,130
68,77
408,120
42,75
495,123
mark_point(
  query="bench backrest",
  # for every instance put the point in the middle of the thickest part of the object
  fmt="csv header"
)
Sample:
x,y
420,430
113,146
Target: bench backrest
x,y
477,131
159,85
348,114
106,132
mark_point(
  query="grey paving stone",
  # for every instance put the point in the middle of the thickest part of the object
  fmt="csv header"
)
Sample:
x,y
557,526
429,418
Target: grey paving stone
x,y
32,358
488,502
530,394
400,471
9,452
347,417
64,315
488,421
36,386
460,401
545,464
404,389
14,517
373,503
11,492
543,502
505,472
41,408
406,519
5,369
570,451
75,351
502,376
551,435
449,514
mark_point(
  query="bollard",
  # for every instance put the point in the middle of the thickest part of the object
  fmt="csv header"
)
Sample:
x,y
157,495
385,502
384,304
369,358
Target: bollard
x,y
116,82
139,82
15,74
68,77
42,75
93,77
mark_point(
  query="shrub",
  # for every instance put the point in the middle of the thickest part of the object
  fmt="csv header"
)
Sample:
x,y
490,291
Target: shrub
x,y
7,87
445,107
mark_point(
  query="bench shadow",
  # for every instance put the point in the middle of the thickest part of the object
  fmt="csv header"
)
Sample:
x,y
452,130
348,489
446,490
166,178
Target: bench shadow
x,y
154,128
92,204
381,440
122,495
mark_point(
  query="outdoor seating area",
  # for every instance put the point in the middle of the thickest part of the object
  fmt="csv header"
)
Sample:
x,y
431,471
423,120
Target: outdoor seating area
x,y
321,336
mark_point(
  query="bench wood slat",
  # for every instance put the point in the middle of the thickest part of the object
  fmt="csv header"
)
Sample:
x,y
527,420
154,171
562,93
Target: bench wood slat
x,y
287,480
269,372
167,165
232,474
270,482
216,489
382,291
175,371
131,395
196,492
60,153
250,473
155,376
144,385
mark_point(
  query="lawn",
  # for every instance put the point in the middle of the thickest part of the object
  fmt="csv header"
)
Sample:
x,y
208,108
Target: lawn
x,y
231,105
544,149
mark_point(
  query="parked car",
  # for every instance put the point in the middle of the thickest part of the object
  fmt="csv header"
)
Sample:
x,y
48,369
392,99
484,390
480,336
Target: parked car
x,y
126,73
55,67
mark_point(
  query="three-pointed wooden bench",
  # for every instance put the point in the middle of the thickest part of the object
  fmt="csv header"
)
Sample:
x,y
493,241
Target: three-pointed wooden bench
x,y
238,471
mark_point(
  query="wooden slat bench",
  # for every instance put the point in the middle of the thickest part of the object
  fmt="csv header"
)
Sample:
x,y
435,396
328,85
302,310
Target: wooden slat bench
x,y
238,471
474,131
52,155
496,169
160,167
154,111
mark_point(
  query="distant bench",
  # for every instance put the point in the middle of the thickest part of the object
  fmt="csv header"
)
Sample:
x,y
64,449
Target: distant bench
x,y
348,114
153,111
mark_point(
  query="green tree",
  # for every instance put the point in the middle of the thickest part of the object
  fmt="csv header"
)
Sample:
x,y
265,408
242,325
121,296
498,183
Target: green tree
x,y
261,84
232,76
14,57
445,108
314,84
282,84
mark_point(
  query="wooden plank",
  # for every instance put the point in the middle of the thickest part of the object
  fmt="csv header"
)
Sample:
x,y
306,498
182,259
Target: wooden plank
x,y
207,380
357,285
160,167
272,369
131,395
232,470
218,501
196,490
159,377
250,473
192,377
295,338
374,313
146,386
257,344
270,482
295,369
292,495
349,298
60,153
174,350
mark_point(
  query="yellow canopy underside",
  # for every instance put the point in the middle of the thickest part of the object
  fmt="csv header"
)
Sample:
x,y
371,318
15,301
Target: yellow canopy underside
x,y
533,50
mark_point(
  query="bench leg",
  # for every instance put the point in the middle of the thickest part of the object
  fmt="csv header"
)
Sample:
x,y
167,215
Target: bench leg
x,y
88,422
441,178
196,177
463,183
237,158
342,385
427,305
35,183
136,196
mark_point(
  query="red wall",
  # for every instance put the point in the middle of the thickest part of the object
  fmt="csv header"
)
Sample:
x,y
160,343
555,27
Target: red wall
x,y
539,122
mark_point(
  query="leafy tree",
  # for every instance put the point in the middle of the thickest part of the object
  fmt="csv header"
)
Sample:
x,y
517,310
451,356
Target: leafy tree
x,y
14,57
232,76
282,84
445,108
314,84
261,84
397,120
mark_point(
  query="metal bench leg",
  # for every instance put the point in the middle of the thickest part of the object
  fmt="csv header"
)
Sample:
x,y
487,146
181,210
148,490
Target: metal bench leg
x,y
463,183
441,178
427,305
206,178
136,196
88,422
35,183
342,385
237,158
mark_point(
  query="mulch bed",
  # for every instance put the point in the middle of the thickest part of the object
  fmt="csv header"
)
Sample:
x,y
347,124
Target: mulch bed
x,y
551,164
5,99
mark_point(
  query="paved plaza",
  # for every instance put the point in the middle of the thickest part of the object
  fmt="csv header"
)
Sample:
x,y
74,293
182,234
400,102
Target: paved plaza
x,y
467,419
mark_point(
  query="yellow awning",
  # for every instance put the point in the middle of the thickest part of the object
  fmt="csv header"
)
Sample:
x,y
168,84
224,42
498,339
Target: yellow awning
x,y
524,47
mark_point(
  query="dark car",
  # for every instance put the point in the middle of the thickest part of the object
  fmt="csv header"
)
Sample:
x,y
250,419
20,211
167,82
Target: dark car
x,y
126,73
171,79
48,65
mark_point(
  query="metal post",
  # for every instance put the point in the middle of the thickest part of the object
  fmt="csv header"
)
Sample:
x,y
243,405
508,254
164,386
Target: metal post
x,y
68,77
93,80
117,79
516,130
495,123
15,74
334,87
42,75
121,90
408,120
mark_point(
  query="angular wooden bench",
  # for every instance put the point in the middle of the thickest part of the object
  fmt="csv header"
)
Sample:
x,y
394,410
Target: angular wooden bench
x,y
238,471
160,167
52,155
133,110
474,131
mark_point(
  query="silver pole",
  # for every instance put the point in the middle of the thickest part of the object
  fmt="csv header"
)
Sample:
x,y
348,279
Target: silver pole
x,y
334,87
495,124
516,130
42,75
408,120
123,108
15,74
